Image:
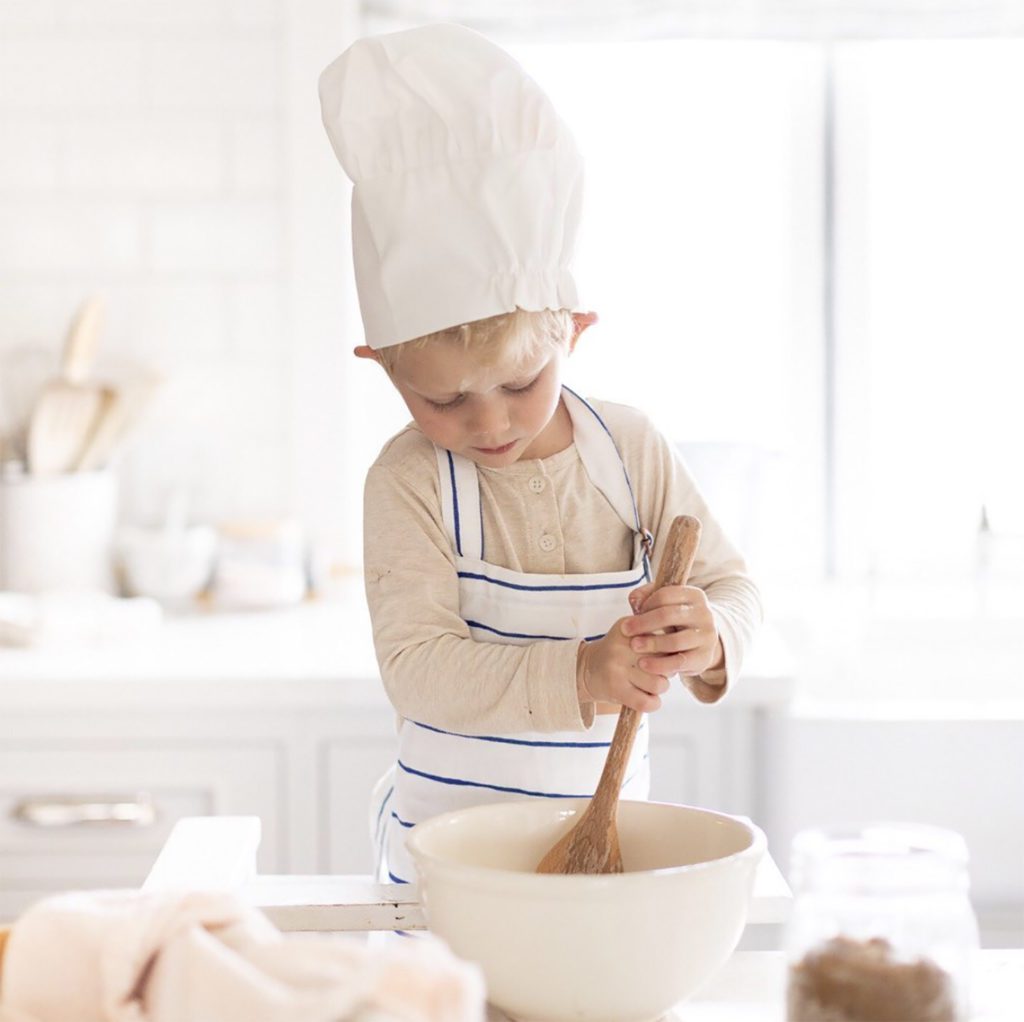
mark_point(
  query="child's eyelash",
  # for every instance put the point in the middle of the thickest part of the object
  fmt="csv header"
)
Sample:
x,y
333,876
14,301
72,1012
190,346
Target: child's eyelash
x,y
456,401
523,390
446,406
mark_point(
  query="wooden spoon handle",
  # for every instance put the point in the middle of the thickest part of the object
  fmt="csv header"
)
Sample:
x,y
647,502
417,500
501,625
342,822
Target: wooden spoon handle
x,y
680,552
673,570
81,341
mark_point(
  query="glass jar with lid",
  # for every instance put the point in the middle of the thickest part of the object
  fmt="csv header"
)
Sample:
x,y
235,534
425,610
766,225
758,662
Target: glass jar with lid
x,y
882,929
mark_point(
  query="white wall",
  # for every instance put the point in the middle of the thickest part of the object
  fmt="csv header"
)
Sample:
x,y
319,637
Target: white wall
x,y
169,153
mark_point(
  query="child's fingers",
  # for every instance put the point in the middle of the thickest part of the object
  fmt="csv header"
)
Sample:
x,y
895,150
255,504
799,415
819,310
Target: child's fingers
x,y
672,616
654,684
689,596
642,702
671,642
692,661
638,596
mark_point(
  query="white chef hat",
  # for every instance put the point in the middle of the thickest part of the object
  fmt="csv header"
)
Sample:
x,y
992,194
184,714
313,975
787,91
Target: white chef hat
x,y
468,185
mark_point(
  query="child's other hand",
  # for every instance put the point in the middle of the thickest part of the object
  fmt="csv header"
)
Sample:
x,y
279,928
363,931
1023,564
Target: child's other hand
x,y
690,645
607,672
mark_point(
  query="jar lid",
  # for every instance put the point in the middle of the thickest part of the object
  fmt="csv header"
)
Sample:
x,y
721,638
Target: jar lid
x,y
880,858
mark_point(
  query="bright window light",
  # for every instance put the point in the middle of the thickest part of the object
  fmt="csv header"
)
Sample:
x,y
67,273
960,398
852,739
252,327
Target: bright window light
x,y
931,214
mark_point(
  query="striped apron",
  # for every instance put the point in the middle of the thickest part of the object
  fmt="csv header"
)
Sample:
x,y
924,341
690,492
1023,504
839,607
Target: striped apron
x,y
439,770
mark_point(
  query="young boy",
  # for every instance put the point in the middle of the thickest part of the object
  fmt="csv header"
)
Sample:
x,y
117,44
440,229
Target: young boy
x,y
509,530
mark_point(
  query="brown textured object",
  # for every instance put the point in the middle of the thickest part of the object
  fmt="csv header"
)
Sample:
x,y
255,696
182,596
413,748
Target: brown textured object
x,y
847,980
592,846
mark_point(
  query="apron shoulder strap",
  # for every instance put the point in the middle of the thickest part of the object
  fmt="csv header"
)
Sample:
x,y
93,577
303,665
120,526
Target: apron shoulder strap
x,y
460,484
460,503
601,459
607,471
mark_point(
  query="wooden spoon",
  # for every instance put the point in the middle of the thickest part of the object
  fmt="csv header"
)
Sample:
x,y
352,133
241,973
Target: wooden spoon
x,y
82,339
592,846
69,407
62,421
123,407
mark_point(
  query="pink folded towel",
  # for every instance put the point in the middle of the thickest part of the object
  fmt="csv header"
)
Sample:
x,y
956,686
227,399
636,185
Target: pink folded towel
x,y
128,956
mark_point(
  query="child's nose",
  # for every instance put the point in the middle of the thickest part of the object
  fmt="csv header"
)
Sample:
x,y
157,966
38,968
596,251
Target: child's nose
x,y
491,418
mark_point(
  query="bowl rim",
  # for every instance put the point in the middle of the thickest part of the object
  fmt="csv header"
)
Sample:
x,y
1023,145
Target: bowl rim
x,y
755,850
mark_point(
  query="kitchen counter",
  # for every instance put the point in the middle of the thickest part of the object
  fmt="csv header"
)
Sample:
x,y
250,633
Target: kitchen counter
x,y
295,656
751,988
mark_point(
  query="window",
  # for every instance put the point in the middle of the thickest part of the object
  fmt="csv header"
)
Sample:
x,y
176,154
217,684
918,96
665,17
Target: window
x,y
931,315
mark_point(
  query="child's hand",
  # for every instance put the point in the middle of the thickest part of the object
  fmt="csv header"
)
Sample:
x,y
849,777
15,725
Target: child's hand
x,y
607,672
691,644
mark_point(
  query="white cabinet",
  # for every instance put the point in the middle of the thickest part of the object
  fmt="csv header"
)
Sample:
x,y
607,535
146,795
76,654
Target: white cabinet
x,y
85,814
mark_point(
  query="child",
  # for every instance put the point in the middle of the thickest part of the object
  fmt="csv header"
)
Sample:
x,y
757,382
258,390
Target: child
x,y
509,529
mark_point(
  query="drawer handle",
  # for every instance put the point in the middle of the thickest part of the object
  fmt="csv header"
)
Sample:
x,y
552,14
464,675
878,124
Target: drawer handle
x,y
61,811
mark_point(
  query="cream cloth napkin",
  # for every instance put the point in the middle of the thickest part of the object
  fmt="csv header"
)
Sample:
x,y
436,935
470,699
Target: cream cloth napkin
x,y
128,956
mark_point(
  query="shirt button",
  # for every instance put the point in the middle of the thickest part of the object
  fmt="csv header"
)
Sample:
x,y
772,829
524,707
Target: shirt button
x,y
537,484
548,543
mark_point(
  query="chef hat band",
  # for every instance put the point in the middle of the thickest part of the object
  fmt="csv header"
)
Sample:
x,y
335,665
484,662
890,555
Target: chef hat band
x,y
467,184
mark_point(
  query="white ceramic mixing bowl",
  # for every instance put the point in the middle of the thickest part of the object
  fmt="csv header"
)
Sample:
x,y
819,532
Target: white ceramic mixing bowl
x,y
611,948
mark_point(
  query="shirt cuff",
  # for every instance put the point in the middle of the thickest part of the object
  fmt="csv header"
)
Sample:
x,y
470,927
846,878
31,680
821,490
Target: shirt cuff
x,y
710,686
554,701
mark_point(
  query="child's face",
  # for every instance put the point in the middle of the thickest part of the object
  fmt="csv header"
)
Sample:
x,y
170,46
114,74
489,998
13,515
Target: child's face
x,y
494,414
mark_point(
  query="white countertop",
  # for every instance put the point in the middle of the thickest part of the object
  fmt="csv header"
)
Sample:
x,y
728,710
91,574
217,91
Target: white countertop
x,y
750,987
292,654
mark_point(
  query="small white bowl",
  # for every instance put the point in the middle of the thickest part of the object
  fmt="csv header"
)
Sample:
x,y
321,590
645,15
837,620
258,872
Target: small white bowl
x,y
593,948
172,567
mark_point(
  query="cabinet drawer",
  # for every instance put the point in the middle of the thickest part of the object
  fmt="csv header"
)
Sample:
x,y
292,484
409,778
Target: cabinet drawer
x,y
84,815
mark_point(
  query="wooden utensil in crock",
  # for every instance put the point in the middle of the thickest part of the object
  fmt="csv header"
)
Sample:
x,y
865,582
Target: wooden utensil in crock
x,y
69,408
592,845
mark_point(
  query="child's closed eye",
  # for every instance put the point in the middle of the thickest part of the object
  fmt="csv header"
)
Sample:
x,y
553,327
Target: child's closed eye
x,y
446,406
523,389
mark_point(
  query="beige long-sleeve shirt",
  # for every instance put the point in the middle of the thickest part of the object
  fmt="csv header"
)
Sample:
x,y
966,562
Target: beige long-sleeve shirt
x,y
433,671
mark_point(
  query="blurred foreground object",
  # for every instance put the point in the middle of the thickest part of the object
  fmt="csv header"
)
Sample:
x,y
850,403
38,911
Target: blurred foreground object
x,y
179,957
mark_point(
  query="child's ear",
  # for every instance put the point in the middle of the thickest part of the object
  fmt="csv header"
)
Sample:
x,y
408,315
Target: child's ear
x,y
364,351
580,322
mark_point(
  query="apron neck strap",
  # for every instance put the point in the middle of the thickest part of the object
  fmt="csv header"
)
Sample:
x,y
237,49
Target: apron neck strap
x,y
460,484
460,503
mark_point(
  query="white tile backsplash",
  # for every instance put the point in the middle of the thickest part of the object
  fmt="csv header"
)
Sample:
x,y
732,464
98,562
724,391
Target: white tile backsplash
x,y
255,164
169,154
217,236
135,15
256,316
182,154
168,324
225,74
64,234
28,13
256,12
28,153
67,74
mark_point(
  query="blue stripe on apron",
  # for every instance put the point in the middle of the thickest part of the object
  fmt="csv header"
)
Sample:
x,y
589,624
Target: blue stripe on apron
x,y
539,743
529,635
630,584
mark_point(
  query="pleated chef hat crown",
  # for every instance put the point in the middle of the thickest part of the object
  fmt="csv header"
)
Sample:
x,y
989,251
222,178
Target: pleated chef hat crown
x,y
467,184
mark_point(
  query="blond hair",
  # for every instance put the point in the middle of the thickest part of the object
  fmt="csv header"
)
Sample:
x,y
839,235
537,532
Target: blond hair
x,y
510,336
